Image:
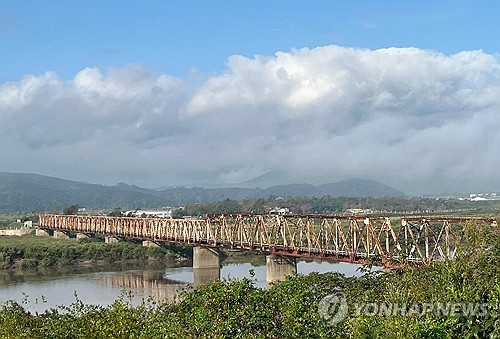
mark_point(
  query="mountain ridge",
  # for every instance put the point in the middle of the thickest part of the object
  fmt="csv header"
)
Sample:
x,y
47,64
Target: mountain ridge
x,y
35,192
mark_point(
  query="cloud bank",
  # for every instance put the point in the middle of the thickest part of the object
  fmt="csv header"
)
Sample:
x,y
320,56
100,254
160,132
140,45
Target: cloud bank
x,y
416,119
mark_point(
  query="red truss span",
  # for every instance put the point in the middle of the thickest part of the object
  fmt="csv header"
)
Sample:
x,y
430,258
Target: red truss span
x,y
387,241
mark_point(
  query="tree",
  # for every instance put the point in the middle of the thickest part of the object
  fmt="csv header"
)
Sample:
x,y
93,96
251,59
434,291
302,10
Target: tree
x,y
71,210
117,212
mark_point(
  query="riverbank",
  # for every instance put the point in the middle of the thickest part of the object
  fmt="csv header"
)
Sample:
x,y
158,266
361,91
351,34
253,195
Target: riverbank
x,y
29,252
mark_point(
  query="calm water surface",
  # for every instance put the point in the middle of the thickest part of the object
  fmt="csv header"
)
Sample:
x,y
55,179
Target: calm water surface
x,y
40,292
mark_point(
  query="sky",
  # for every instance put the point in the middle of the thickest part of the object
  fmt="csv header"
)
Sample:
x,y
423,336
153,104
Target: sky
x,y
159,93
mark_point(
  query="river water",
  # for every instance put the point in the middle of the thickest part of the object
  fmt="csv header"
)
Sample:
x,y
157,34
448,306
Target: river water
x,y
39,292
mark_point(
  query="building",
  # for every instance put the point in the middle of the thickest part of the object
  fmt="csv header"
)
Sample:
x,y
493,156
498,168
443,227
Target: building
x,y
356,211
280,211
149,213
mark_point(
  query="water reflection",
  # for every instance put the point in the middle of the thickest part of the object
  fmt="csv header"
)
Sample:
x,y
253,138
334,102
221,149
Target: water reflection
x,y
205,275
41,291
258,275
144,284
14,277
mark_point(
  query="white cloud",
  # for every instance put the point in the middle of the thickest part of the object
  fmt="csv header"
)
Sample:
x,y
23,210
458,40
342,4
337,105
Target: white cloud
x,y
413,118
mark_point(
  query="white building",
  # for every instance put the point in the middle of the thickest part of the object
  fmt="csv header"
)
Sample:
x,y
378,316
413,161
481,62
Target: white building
x,y
280,211
149,213
356,211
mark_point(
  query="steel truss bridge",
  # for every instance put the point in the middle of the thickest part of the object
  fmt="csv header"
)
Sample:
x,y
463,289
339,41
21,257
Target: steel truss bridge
x,y
392,242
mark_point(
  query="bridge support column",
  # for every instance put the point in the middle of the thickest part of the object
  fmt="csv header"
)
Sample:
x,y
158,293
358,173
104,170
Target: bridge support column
x,y
41,233
206,265
60,235
111,240
279,267
148,243
82,236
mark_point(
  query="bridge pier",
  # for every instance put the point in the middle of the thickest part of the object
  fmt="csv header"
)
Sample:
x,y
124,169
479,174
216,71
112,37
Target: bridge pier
x,y
206,265
41,233
60,235
111,240
279,267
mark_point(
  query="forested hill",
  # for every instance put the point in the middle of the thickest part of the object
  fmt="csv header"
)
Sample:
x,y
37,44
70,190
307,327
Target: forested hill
x,y
33,192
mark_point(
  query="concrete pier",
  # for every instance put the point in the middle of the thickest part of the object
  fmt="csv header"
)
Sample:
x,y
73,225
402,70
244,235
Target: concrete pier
x,y
148,243
60,235
279,267
206,265
41,233
111,240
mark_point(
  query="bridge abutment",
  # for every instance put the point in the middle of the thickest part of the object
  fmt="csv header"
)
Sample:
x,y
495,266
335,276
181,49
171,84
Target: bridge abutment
x,y
206,265
41,233
149,243
279,267
111,240
60,235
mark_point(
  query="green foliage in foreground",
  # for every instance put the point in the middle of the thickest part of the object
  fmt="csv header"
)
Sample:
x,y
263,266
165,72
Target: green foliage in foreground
x,y
31,252
237,309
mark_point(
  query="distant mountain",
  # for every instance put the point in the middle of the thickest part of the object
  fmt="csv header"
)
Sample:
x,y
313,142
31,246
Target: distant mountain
x,y
265,180
347,188
359,188
268,179
33,192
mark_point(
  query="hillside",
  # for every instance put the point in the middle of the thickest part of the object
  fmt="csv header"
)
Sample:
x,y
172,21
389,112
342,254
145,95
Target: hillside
x,y
33,192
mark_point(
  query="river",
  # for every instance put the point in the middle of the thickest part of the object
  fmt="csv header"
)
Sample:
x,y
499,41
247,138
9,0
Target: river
x,y
39,292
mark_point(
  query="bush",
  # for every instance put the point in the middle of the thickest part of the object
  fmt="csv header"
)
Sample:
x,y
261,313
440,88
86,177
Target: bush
x,y
32,252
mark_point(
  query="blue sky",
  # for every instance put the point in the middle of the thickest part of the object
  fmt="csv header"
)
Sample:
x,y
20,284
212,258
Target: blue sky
x,y
159,93
176,37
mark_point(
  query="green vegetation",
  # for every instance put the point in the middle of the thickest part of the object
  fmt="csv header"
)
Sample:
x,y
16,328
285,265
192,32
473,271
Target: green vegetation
x,y
32,252
71,210
329,204
237,309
